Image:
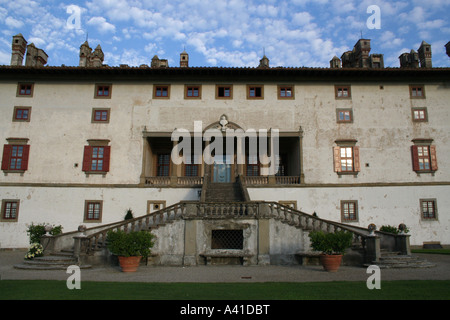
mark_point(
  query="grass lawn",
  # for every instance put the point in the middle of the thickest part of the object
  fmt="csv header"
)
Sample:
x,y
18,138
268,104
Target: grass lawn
x,y
435,251
390,290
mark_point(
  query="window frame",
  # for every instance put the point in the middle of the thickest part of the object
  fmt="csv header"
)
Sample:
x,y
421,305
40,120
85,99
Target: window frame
x,y
191,166
425,114
161,86
355,213
281,87
163,165
8,150
223,86
87,204
252,167
103,96
25,95
337,88
19,108
431,156
355,157
412,88
88,157
94,113
255,86
5,202
189,87
435,210
344,110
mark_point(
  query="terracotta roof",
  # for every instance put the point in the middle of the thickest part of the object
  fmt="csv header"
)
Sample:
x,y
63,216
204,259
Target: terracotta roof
x,y
225,73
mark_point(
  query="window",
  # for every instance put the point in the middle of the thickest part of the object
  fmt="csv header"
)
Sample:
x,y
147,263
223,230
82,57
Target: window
x,y
103,91
25,89
342,92
22,114
192,92
100,115
417,91
224,92
346,157
253,166
428,209
424,157
10,210
15,156
281,160
285,92
349,210
255,92
344,115
419,114
191,169
96,157
163,165
161,92
93,210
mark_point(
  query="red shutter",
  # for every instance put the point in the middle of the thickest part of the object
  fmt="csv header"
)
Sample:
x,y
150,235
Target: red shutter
x,y
337,159
356,165
106,158
415,158
87,158
25,155
433,158
6,156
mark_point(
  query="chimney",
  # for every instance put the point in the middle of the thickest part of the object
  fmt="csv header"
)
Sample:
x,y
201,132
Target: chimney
x,y
335,63
184,59
264,62
19,46
35,57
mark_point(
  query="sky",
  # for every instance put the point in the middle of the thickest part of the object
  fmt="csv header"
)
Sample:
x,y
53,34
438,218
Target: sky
x,y
225,33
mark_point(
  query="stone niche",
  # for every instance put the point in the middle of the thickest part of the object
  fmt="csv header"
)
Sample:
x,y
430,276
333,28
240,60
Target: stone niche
x,y
229,242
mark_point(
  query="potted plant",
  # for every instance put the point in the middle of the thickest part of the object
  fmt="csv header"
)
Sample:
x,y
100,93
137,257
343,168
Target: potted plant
x,y
130,247
332,247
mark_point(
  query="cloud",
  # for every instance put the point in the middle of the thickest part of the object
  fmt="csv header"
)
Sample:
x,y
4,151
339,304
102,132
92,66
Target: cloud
x,y
102,25
13,23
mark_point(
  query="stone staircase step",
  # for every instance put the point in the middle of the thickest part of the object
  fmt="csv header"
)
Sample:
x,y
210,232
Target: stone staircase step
x,y
55,261
391,260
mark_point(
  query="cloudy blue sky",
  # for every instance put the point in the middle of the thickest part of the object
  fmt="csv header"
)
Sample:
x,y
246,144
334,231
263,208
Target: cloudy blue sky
x,y
226,33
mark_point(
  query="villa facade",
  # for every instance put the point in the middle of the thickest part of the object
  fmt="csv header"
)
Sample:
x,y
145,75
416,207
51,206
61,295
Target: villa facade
x,y
357,145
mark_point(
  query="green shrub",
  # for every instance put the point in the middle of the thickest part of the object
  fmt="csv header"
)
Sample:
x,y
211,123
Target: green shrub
x,y
392,229
36,231
331,243
135,243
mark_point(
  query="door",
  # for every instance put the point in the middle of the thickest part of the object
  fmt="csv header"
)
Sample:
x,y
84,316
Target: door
x,y
222,170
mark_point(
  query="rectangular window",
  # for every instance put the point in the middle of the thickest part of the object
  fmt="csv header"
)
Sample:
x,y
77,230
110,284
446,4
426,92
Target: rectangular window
x,y
346,159
96,159
419,114
417,91
285,92
253,166
224,92
93,211
161,92
25,89
15,157
10,210
343,92
344,115
22,114
192,92
163,165
428,209
191,169
349,210
424,158
103,91
100,115
255,92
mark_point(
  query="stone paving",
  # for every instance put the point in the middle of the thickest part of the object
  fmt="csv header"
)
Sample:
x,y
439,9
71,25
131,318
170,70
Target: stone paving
x,y
288,273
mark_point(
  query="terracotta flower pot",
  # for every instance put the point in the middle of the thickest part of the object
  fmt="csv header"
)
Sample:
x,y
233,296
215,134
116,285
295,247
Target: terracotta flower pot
x,y
331,262
129,264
